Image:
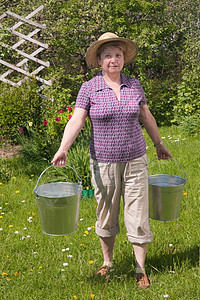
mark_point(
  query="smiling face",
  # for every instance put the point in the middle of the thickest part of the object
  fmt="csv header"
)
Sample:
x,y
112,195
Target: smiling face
x,y
111,60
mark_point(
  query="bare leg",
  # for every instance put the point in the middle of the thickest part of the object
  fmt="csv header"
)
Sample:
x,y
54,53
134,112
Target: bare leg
x,y
107,245
140,254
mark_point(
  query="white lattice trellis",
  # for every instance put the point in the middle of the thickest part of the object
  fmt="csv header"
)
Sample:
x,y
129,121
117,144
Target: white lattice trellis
x,y
26,57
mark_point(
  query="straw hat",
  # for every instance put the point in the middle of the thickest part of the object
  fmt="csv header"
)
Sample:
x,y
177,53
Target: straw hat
x,y
91,55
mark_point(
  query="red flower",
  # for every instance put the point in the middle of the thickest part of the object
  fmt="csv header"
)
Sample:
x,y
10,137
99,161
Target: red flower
x,y
45,122
61,111
58,119
21,129
69,108
70,117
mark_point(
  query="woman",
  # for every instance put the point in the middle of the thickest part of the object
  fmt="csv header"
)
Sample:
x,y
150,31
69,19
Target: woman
x,y
115,103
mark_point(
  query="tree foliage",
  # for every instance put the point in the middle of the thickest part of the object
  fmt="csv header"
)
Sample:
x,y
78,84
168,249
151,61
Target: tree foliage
x,y
166,33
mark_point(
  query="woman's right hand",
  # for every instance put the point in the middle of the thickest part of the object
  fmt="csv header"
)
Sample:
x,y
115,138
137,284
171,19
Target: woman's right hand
x,y
59,159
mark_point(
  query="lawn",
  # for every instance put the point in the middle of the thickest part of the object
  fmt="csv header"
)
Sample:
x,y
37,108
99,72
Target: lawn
x,y
38,266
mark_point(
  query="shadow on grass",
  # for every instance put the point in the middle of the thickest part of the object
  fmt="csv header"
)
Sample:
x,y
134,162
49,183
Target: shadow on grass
x,y
164,261
174,259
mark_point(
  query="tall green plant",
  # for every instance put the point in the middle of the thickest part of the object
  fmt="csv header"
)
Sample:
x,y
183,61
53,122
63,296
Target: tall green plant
x,y
78,158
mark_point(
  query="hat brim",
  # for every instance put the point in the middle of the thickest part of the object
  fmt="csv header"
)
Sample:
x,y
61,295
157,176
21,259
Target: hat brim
x,y
91,55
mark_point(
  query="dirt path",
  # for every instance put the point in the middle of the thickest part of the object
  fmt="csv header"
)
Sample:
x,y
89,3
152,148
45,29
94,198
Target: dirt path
x,y
9,151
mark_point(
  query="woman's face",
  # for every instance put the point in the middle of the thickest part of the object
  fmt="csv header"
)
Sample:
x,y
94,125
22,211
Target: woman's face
x,y
111,60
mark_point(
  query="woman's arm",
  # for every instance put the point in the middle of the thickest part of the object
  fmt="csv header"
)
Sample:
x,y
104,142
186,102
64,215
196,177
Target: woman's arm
x,y
71,131
151,127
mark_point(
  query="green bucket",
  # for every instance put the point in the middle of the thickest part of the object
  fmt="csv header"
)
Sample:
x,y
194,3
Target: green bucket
x,y
58,205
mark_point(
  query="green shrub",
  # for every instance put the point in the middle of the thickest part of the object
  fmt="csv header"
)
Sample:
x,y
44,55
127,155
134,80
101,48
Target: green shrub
x,y
38,148
187,102
40,143
158,95
191,124
57,121
18,107
60,94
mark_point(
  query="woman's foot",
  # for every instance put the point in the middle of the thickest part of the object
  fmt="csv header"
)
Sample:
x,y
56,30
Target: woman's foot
x,y
142,281
104,270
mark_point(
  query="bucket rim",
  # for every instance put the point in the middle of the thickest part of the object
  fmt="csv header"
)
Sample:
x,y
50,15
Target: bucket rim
x,y
56,183
182,183
169,175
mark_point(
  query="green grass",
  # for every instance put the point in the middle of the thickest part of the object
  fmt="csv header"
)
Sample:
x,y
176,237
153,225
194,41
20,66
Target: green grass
x,y
32,262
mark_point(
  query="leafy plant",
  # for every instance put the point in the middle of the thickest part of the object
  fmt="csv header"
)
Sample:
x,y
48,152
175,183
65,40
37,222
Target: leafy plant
x,y
158,95
79,159
166,33
187,102
56,123
18,107
38,148
5,170
39,144
191,124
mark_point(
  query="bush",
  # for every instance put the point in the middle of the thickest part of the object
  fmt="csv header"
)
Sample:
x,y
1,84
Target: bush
x,y
18,107
37,149
191,124
40,143
158,95
187,102
62,93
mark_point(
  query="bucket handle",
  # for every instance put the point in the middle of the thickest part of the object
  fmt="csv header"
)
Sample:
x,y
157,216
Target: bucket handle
x,y
80,182
173,160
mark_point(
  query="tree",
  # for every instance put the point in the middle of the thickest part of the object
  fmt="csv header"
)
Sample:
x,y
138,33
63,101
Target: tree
x,y
165,32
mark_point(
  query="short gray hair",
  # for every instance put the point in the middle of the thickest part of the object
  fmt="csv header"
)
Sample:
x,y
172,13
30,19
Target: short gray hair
x,y
116,44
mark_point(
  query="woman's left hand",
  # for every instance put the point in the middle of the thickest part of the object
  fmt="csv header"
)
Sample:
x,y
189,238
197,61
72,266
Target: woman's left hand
x,y
163,152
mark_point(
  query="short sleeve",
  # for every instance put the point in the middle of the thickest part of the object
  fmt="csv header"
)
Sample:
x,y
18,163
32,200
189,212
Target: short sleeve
x,y
142,99
83,98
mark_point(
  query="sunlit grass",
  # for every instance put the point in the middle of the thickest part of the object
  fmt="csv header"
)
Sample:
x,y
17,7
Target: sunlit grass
x,y
37,266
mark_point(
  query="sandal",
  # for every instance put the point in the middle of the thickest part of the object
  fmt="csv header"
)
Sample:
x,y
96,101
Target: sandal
x,y
142,281
104,270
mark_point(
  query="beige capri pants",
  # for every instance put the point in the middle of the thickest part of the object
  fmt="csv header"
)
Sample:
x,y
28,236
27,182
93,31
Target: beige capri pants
x,y
129,179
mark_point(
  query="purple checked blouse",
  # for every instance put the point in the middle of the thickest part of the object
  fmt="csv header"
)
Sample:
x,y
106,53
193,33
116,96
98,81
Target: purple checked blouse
x,y
116,135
